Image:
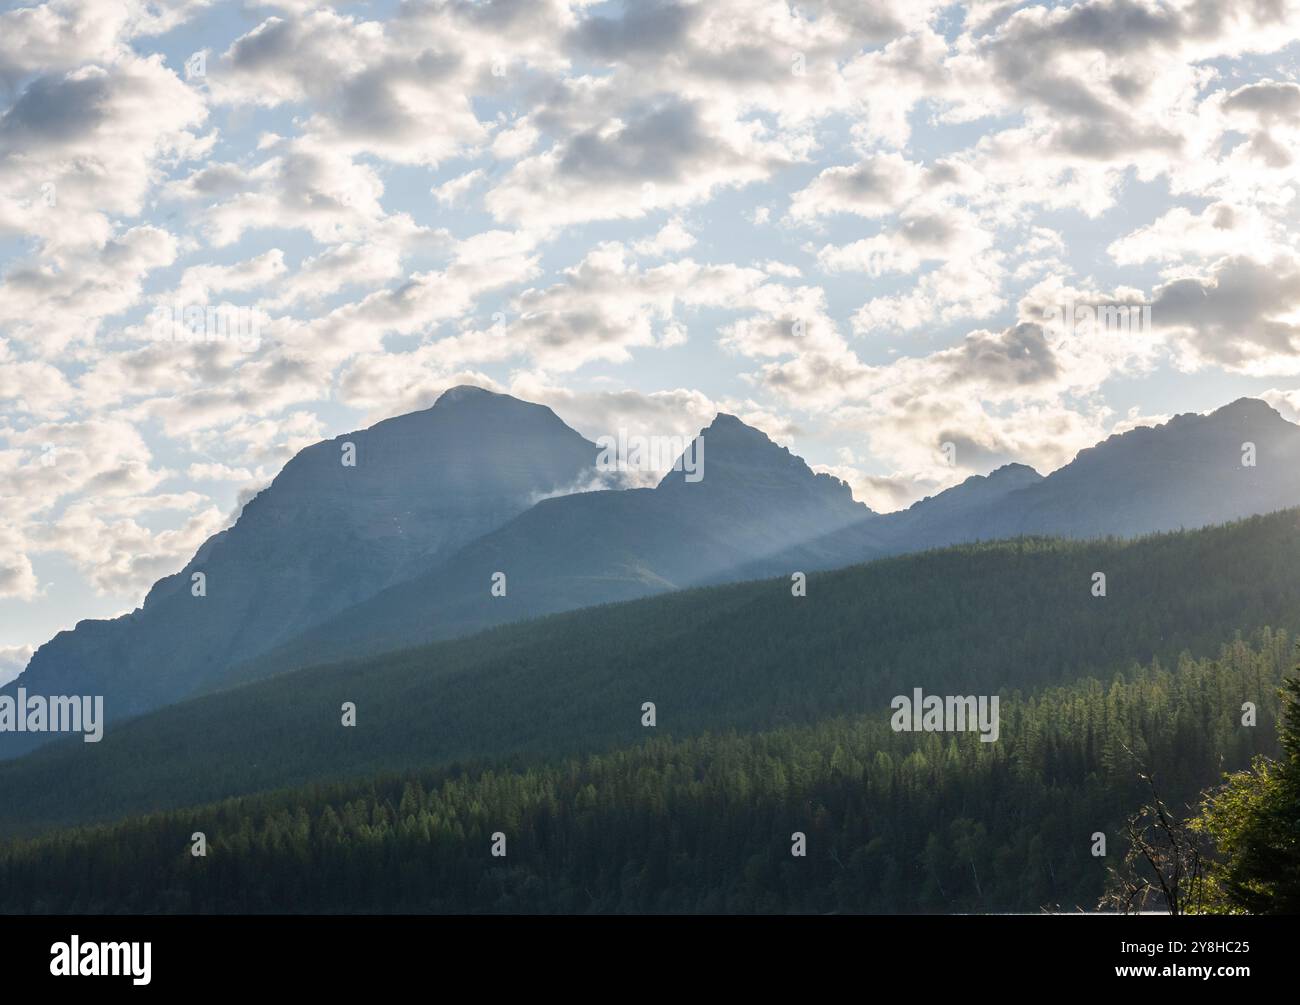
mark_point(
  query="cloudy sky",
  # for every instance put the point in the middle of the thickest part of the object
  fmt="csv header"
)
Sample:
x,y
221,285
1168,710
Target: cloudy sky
x,y
841,220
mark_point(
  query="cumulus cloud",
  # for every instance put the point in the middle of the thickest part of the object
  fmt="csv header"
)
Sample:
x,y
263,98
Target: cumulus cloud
x,y
346,68
17,578
1240,314
116,553
81,146
666,152
1219,229
606,306
876,186
13,661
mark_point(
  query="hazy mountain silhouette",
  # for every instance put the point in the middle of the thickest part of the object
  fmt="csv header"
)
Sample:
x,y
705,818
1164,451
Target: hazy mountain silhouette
x,y
1185,473
1188,472
320,538
754,498
760,511
948,517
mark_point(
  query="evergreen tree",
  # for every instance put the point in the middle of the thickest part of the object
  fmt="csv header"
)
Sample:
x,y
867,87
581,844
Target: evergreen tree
x,y
1254,821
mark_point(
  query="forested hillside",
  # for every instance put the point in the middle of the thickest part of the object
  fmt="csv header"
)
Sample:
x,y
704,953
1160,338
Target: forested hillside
x,y
893,821
979,619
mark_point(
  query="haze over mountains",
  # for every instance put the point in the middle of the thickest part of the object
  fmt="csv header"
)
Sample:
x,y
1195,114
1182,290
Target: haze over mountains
x,y
1185,473
334,561
598,547
757,511
320,538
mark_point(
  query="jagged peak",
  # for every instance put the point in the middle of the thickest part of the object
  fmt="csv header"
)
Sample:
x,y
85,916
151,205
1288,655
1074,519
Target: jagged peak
x,y
741,448
1014,470
729,433
726,423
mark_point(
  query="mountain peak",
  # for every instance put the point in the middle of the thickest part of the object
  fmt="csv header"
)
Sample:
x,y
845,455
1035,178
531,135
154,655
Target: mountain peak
x,y
729,430
735,456
979,488
471,401
731,444
1247,410
1015,471
466,393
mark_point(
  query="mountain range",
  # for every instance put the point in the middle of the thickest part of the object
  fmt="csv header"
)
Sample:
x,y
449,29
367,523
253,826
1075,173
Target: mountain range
x,y
403,546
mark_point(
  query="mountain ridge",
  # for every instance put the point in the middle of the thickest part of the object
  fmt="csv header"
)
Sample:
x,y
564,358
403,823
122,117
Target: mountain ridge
x,y
337,566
